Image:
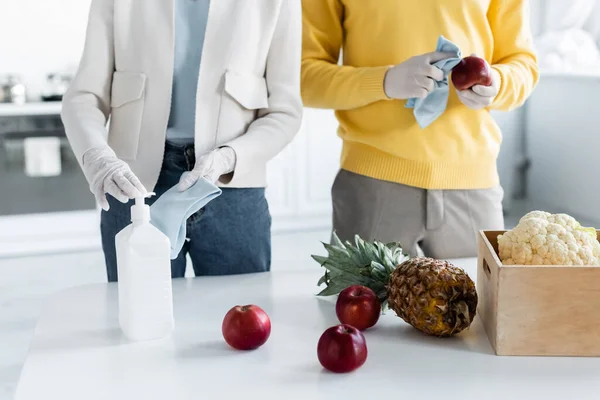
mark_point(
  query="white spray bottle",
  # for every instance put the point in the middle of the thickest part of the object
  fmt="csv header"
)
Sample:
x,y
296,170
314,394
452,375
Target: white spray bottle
x,y
144,268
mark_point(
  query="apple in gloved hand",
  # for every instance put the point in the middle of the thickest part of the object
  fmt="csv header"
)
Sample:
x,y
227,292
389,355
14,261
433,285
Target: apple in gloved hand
x,y
471,71
342,348
358,306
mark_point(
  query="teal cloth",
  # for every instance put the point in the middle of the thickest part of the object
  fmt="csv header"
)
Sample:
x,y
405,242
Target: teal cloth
x,y
430,108
191,17
170,212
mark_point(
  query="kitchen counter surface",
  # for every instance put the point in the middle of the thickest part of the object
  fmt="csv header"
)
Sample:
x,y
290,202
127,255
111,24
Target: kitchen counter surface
x,y
78,352
30,109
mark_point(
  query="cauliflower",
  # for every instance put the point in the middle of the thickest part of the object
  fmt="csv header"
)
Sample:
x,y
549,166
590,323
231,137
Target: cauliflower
x,y
562,219
542,238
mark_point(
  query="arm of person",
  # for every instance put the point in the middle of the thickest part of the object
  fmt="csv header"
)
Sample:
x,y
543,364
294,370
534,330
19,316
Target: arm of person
x,y
86,104
277,124
514,58
325,84
86,108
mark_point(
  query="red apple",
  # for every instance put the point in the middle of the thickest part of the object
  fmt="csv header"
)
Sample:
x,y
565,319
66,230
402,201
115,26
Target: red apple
x,y
246,327
471,71
358,306
342,348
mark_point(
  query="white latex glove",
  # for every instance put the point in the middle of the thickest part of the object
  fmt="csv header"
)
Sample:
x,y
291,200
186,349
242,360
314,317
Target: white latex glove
x,y
479,96
210,166
415,77
106,173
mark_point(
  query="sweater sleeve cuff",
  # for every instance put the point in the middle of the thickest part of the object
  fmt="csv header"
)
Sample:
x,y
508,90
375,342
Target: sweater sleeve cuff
x,y
246,163
499,69
371,85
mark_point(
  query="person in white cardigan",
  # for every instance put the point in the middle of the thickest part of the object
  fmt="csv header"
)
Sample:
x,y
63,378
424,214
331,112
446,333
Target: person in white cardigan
x,y
188,89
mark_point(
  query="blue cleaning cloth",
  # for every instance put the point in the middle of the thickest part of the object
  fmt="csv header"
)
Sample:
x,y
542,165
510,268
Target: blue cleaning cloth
x,y
170,212
429,109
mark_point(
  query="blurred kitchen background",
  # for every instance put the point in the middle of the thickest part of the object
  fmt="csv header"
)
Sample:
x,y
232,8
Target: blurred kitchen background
x,y
49,226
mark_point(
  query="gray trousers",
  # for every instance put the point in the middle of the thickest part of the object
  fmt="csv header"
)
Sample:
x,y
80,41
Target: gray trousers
x,y
435,223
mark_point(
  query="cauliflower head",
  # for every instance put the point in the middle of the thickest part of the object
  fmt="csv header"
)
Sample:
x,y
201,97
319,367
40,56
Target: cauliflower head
x,y
542,238
562,219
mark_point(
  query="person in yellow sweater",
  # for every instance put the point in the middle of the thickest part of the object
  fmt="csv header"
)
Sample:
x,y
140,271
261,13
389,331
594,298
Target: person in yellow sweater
x,y
432,188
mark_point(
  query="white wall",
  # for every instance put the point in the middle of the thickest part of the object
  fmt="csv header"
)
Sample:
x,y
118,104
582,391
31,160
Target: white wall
x,y
41,36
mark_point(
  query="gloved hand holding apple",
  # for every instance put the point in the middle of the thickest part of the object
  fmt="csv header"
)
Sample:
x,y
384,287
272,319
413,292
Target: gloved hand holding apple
x,y
476,83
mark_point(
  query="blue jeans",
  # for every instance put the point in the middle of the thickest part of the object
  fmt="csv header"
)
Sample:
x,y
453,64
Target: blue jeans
x,y
230,235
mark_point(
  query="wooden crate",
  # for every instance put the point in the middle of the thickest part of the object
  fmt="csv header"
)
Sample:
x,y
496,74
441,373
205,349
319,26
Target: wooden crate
x,y
537,310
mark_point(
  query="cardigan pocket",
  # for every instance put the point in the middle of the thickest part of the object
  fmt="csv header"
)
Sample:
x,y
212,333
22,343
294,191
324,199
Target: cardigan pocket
x,y
127,110
243,95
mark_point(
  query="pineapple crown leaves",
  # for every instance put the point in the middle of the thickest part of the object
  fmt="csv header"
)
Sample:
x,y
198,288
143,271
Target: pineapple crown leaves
x,y
360,263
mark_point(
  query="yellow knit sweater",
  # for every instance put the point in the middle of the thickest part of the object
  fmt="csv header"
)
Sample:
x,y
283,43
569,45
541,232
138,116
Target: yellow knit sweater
x,y
381,138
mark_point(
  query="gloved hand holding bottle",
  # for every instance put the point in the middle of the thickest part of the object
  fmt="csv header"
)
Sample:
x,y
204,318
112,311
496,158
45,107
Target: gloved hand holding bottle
x,y
106,173
415,77
210,166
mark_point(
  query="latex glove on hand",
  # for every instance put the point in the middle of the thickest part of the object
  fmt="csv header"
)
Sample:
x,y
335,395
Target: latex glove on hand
x,y
478,97
210,166
106,173
414,78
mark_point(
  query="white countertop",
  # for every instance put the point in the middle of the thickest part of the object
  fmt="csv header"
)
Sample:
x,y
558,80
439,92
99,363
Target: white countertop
x,y
30,109
78,352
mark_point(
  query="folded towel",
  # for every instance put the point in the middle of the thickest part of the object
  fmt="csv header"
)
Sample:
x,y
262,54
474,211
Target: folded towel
x,y
429,109
42,156
170,212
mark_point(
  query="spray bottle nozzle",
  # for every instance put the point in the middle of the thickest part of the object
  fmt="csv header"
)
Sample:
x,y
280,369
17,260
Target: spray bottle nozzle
x,y
140,211
141,200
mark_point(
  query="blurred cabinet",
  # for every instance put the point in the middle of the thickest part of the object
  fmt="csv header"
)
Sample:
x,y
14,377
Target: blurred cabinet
x,y
562,145
512,160
56,214
41,213
300,178
22,193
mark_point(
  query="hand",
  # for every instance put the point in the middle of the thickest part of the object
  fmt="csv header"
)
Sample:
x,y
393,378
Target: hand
x,y
107,174
415,77
210,166
479,96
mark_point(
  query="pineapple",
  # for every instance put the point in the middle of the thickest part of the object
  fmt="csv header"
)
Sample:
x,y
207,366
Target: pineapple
x,y
433,296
